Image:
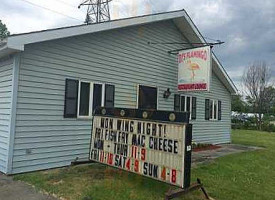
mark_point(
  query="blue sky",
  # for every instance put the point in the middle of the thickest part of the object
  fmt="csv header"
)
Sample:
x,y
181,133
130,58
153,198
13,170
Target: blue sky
x,y
247,27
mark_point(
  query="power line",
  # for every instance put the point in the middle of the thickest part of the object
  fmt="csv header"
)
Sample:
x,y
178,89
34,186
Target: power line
x,y
71,5
154,10
68,4
98,10
33,4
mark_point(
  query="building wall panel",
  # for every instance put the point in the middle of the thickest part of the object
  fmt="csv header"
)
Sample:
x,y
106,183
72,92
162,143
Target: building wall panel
x,y
6,75
123,57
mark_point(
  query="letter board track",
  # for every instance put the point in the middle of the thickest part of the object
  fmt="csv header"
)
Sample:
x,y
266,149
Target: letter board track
x,y
156,144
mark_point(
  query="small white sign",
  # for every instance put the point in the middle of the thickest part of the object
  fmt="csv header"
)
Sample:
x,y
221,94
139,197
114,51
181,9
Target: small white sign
x,y
194,69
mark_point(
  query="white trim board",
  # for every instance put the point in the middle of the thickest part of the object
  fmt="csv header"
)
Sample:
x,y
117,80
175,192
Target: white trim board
x,y
15,78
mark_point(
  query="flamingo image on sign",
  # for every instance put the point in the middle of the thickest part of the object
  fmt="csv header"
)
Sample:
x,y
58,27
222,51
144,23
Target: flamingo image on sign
x,y
194,69
158,146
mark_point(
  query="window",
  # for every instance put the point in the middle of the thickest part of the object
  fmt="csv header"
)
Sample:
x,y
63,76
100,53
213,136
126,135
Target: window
x,y
147,97
82,98
212,109
186,104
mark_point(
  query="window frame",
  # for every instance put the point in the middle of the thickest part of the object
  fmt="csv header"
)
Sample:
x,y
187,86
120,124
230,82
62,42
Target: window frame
x,y
185,104
91,98
212,105
152,86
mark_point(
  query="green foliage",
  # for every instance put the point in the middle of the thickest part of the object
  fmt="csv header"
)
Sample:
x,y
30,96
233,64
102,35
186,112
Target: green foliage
x,y
269,100
248,123
3,31
251,124
239,105
268,127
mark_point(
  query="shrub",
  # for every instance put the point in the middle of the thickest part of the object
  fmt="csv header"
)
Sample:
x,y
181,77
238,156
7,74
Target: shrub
x,y
268,127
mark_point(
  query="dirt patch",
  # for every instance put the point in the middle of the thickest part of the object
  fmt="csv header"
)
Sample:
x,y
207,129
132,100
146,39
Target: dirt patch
x,y
209,147
17,190
210,153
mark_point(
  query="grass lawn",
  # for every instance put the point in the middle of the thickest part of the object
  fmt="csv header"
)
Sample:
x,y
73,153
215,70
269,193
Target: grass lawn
x,y
243,176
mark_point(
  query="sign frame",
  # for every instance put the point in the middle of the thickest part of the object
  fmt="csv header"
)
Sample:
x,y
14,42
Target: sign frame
x,y
189,54
169,117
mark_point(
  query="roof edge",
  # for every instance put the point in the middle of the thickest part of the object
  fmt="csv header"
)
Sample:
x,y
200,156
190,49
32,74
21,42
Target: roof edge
x,y
17,42
121,19
233,89
20,40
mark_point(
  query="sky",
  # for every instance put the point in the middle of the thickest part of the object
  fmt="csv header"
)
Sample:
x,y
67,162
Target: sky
x,y
247,27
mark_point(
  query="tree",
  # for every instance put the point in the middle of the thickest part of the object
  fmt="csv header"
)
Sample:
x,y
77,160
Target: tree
x,y
3,31
256,79
269,100
238,105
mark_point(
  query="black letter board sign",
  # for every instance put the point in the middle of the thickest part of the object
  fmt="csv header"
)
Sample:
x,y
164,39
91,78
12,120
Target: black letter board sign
x,y
156,144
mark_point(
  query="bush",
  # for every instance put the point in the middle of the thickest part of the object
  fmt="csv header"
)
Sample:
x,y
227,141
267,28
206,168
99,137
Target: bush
x,y
248,123
268,127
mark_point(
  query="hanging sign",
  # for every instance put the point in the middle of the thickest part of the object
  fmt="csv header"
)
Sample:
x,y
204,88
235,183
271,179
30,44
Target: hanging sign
x,y
194,69
155,144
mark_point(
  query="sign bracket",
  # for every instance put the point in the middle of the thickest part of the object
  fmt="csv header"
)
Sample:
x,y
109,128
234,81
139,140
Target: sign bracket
x,y
181,192
176,51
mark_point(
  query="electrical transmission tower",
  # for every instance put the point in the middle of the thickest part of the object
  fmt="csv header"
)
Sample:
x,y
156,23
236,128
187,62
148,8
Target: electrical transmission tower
x,y
98,11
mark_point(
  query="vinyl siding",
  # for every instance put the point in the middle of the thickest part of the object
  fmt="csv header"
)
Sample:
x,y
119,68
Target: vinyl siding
x,y
214,131
6,73
44,139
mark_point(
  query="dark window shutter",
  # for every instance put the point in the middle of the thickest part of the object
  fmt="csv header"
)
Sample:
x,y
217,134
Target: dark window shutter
x,y
207,109
219,110
109,96
84,100
97,96
188,104
71,98
194,108
177,102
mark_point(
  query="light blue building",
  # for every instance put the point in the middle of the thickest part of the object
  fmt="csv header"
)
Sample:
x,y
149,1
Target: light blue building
x,y
50,82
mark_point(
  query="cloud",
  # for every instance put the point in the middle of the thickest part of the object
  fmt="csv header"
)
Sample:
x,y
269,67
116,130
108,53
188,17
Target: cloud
x,y
32,15
247,26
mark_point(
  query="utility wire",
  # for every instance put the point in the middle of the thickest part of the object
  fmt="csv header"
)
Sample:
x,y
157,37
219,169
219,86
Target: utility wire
x,y
67,3
71,5
154,10
123,5
33,4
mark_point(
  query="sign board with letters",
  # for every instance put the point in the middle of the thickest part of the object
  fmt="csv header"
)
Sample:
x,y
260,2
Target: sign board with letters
x,y
194,69
155,144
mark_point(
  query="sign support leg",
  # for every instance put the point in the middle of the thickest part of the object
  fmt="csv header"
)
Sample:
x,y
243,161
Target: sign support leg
x,y
181,192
